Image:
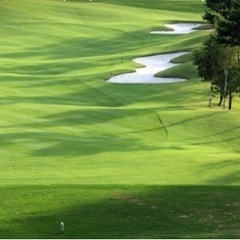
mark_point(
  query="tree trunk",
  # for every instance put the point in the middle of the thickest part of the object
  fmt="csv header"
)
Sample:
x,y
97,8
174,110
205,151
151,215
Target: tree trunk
x,y
225,88
220,100
221,96
211,96
230,100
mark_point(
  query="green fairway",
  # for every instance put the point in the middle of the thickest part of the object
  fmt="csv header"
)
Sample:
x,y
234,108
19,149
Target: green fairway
x,y
110,160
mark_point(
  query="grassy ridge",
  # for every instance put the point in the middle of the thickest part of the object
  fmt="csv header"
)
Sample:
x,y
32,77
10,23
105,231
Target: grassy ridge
x,y
77,149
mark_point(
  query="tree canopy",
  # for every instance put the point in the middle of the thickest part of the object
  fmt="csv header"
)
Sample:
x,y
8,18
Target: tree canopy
x,y
225,16
217,60
218,65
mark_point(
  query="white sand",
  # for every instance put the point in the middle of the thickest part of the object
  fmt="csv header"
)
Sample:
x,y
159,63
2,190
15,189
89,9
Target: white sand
x,y
152,65
157,63
179,28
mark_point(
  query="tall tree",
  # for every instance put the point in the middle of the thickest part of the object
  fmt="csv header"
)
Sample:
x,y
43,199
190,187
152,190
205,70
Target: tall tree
x,y
208,67
227,61
233,84
225,16
228,26
215,63
216,8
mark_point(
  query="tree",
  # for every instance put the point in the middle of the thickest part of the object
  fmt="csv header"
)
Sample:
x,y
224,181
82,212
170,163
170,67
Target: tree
x,y
208,67
227,61
216,63
233,85
228,26
215,8
224,15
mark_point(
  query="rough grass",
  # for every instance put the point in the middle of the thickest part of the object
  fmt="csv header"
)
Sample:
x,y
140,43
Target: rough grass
x,y
109,160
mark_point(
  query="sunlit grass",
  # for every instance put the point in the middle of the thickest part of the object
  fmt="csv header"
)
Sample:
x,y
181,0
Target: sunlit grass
x,y
109,158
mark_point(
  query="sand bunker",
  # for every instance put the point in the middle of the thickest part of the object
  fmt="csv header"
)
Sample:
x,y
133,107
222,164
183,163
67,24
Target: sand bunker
x,y
179,28
152,65
157,63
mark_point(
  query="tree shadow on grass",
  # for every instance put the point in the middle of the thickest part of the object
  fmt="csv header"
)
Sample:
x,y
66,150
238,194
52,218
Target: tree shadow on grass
x,y
85,97
102,211
97,43
60,144
87,132
109,95
229,168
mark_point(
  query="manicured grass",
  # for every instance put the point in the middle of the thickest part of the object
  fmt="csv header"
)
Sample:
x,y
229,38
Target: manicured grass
x,y
110,160
120,211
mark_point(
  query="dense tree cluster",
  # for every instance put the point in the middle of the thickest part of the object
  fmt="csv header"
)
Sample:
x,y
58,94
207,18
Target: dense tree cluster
x,y
218,59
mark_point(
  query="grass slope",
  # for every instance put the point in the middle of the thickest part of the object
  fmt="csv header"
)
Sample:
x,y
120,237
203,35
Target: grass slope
x,y
110,160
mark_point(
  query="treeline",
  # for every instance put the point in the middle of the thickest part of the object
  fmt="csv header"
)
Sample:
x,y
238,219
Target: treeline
x,y
218,59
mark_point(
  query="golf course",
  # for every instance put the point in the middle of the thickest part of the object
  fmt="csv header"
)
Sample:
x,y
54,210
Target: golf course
x,y
111,160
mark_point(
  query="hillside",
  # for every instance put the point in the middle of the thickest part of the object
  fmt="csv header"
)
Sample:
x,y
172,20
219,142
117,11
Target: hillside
x,y
97,155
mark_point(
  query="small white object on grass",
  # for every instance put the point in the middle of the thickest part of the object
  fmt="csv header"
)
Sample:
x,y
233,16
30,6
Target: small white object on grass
x,y
62,227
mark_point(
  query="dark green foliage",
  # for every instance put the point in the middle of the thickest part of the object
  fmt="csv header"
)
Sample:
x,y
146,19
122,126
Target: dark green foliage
x,y
216,7
218,64
206,61
228,27
225,16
